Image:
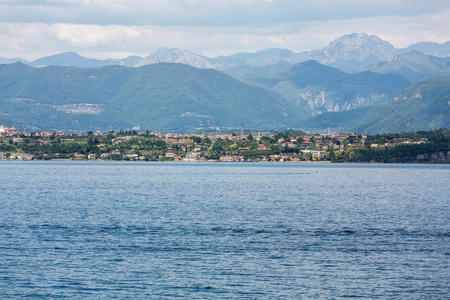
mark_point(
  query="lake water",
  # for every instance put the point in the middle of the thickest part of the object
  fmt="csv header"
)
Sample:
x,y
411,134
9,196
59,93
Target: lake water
x,y
81,230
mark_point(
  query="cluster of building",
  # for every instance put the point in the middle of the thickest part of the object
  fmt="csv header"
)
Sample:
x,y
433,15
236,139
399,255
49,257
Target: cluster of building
x,y
8,131
291,148
191,147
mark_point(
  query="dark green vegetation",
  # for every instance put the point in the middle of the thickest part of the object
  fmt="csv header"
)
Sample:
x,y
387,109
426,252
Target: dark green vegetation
x,y
166,97
419,147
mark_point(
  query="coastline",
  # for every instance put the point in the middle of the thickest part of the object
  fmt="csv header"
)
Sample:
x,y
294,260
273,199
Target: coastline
x,y
293,147
121,162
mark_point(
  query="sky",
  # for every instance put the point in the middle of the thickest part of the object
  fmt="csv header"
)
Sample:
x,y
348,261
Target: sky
x,y
103,29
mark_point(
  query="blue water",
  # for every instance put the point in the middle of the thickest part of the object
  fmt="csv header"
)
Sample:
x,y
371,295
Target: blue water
x,y
224,231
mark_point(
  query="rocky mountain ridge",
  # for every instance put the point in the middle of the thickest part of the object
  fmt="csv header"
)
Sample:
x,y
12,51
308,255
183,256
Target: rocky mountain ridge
x,y
351,51
175,55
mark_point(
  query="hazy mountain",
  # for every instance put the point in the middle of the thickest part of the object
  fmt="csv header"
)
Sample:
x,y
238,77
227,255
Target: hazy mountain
x,y
256,59
269,70
415,66
176,56
12,60
67,59
72,59
167,97
129,61
317,88
351,52
435,49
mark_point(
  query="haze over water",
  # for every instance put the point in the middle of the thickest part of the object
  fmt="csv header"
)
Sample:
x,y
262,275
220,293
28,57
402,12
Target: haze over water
x,y
221,231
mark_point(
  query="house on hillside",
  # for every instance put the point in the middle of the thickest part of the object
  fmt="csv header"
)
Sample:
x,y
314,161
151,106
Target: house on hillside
x,y
192,156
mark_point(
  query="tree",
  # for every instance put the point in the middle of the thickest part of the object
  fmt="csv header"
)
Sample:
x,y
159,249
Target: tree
x,y
197,139
93,140
329,155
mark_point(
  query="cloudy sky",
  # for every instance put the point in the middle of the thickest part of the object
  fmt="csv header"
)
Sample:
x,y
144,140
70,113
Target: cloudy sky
x,y
117,28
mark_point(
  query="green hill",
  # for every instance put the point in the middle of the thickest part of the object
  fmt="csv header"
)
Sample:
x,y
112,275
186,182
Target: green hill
x,y
166,97
425,105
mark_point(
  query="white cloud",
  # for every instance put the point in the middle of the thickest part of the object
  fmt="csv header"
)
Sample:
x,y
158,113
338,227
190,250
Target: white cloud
x,y
113,28
217,13
94,35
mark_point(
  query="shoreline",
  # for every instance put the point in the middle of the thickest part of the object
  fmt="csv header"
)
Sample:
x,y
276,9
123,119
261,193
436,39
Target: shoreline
x,y
224,162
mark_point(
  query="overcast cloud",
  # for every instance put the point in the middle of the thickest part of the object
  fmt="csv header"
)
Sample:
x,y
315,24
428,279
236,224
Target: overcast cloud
x,y
118,28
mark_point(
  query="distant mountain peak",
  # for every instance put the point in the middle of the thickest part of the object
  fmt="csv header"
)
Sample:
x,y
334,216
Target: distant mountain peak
x,y
176,55
68,54
360,47
73,59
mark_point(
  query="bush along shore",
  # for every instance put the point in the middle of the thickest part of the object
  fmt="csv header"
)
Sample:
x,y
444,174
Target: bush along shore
x,y
294,146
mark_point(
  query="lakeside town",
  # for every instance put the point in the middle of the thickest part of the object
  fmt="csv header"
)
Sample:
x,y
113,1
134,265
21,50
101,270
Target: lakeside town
x,y
239,146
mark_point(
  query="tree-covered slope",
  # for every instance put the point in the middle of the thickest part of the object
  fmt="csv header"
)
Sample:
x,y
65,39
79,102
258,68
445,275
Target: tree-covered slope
x,y
425,105
168,97
339,122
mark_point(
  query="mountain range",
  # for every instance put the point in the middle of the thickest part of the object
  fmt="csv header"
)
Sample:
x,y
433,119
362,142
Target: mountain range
x,y
177,90
414,66
435,49
72,59
351,52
